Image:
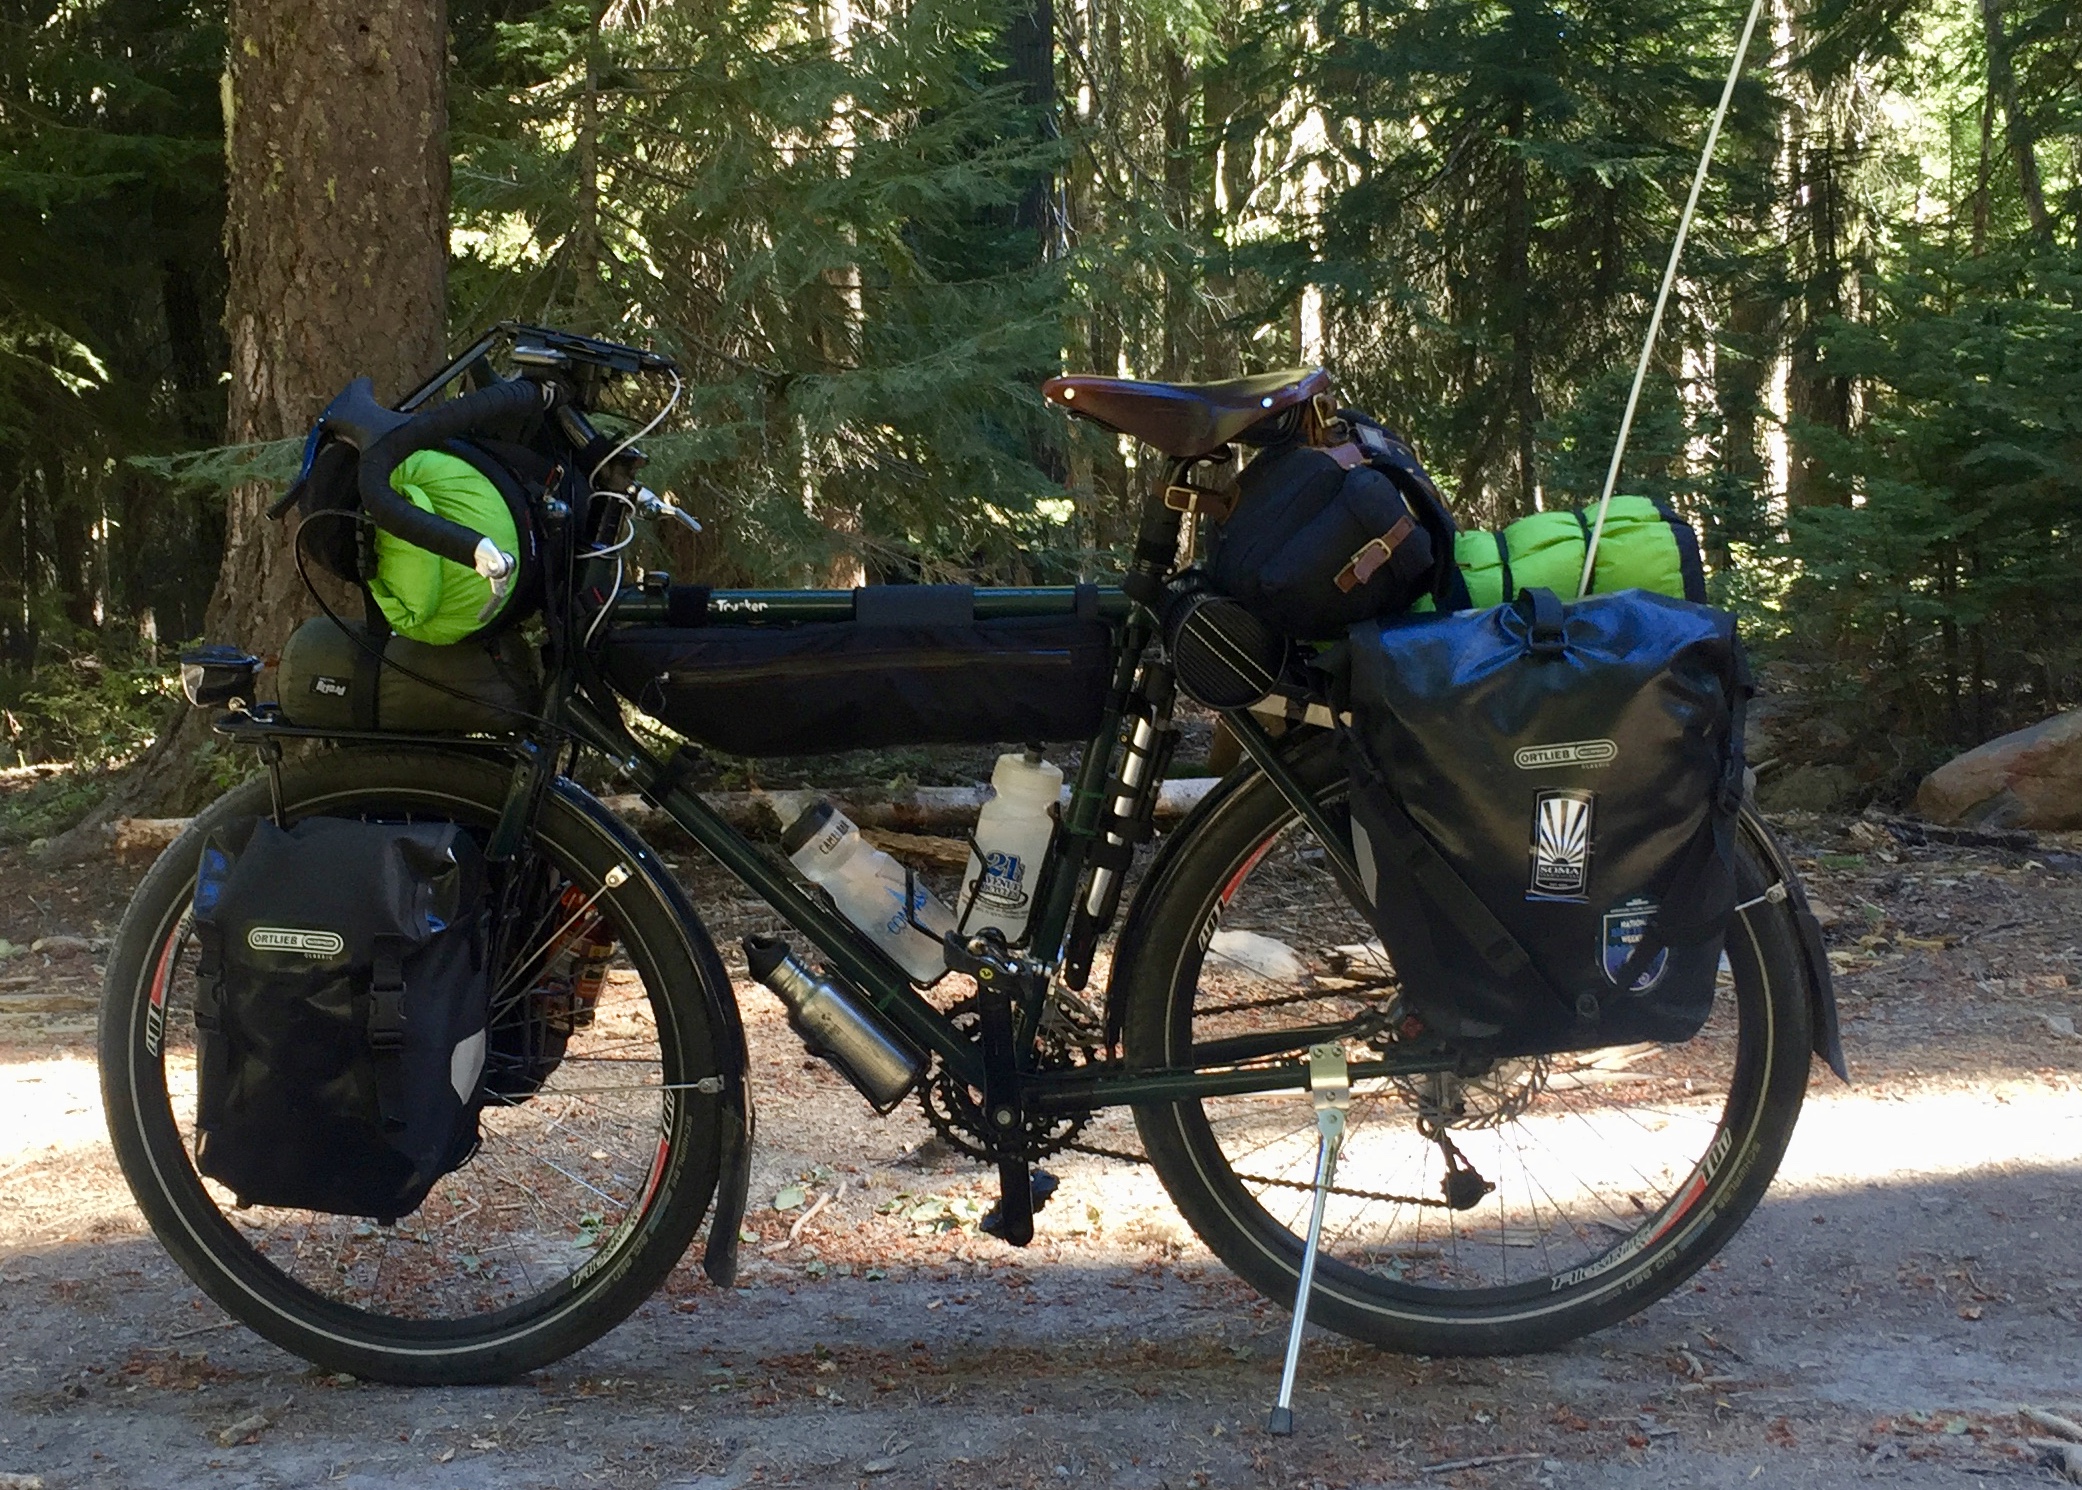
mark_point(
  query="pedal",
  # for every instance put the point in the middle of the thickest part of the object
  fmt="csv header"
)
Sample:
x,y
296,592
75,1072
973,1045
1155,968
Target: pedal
x,y
1040,1186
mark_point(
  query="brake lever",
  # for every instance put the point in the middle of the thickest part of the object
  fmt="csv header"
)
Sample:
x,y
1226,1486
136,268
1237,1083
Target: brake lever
x,y
650,504
498,569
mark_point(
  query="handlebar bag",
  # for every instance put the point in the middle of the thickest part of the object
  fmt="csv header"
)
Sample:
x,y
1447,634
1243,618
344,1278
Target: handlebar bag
x,y
1552,789
867,683
1321,538
340,1011
482,484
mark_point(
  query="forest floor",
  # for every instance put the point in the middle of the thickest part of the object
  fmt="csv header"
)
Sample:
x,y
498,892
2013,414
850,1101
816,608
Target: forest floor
x,y
1913,1277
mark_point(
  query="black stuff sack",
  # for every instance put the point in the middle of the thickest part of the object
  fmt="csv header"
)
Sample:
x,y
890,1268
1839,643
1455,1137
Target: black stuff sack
x,y
340,1011
1319,538
1543,812
337,675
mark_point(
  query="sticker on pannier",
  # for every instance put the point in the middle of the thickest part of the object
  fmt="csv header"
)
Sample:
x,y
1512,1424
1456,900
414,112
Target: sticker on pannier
x,y
340,1009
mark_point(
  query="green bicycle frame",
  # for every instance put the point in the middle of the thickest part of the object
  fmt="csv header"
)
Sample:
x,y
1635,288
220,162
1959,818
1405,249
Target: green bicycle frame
x,y
874,975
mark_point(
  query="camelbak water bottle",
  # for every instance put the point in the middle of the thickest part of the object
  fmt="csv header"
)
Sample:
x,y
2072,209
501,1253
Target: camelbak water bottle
x,y
868,888
1012,835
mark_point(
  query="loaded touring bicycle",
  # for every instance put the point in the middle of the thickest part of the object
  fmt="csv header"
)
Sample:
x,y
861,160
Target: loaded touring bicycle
x,y
1477,990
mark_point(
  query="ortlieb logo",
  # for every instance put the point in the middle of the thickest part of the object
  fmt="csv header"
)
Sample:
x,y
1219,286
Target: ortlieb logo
x,y
1573,753
290,939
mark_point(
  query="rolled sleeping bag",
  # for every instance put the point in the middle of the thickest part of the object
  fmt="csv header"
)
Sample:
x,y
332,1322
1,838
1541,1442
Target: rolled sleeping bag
x,y
1645,546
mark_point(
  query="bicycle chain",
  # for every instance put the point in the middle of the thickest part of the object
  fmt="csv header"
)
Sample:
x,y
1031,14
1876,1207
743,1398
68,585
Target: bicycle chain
x,y
1102,1152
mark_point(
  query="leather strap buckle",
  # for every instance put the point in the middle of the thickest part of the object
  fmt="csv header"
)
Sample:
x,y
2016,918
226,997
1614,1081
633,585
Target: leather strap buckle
x,y
1198,501
1368,561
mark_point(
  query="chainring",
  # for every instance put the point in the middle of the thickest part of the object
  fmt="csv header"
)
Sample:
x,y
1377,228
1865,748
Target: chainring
x,y
957,1115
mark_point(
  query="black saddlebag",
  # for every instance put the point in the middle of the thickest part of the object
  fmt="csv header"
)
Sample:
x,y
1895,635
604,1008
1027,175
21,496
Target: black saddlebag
x,y
1321,538
863,684
1543,811
340,1011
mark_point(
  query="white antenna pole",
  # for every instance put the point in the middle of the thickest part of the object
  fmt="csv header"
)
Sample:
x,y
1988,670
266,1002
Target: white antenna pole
x,y
1662,297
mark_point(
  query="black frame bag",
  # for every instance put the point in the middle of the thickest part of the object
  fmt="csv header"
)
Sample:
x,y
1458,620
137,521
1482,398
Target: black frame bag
x,y
1543,811
340,1011
914,667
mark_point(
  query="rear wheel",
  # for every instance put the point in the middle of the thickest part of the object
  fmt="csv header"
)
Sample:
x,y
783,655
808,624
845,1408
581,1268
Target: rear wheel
x,y
600,1125
1615,1172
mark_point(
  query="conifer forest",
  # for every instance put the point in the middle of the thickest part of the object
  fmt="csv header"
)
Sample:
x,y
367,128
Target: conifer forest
x,y
869,228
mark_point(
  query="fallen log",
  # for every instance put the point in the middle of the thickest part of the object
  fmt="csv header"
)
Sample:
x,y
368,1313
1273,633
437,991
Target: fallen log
x,y
929,813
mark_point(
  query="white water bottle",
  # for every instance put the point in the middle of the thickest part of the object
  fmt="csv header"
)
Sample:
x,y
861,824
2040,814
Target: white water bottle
x,y
868,888
1012,834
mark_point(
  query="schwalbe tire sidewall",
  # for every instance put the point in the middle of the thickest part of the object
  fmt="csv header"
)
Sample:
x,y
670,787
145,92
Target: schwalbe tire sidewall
x,y
154,1159
1268,1256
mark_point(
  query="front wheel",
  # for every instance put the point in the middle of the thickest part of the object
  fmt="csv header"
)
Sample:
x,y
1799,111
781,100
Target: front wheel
x,y
1616,1173
600,1127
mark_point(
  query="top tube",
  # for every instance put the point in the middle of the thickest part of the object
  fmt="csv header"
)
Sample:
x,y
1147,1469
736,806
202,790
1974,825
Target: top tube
x,y
773,607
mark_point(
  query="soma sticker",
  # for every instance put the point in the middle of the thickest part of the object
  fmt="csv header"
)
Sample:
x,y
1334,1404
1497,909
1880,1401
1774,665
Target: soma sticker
x,y
1619,933
293,939
1561,845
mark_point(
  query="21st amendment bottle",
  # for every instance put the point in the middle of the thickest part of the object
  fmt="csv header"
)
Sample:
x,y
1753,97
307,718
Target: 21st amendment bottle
x,y
1012,834
868,888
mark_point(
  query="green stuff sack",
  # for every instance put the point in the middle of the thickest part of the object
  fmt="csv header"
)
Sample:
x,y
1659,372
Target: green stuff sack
x,y
423,596
1645,546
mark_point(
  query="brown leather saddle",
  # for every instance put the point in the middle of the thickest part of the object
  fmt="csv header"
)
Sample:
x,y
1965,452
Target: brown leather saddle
x,y
1185,419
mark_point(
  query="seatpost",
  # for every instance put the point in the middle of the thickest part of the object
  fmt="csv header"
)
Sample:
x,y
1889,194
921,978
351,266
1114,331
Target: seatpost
x,y
1156,543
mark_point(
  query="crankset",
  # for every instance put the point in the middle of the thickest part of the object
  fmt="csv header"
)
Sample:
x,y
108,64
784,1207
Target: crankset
x,y
998,1128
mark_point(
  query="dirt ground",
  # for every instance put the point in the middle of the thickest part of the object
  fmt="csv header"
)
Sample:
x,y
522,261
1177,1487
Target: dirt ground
x,y
1914,1276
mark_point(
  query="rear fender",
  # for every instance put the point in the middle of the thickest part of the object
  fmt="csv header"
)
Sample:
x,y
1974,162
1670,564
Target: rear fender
x,y
734,1143
1821,988
1821,991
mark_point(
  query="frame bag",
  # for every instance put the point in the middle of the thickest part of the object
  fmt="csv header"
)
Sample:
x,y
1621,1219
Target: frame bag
x,y
1543,812
340,1011
914,667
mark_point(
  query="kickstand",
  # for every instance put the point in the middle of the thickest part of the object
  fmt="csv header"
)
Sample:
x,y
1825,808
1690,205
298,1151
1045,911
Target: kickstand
x,y
1330,1085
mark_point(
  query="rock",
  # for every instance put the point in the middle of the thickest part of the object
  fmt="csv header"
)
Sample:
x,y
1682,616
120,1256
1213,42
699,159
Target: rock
x,y
21,1482
1809,789
61,946
2030,778
246,1430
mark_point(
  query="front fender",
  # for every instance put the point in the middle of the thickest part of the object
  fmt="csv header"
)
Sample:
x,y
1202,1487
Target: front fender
x,y
734,1167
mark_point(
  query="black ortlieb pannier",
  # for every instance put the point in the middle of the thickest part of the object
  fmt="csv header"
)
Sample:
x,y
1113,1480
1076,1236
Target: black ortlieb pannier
x,y
340,1011
1319,538
891,676
1543,808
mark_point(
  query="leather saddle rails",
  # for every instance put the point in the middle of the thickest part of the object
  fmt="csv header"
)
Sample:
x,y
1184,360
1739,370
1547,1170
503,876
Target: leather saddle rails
x,y
1184,419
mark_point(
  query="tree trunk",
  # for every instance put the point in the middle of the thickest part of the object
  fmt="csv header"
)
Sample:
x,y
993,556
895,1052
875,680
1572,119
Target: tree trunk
x,y
2002,82
337,233
1517,280
337,237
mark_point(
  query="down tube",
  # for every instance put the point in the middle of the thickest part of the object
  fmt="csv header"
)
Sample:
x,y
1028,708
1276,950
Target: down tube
x,y
834,938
